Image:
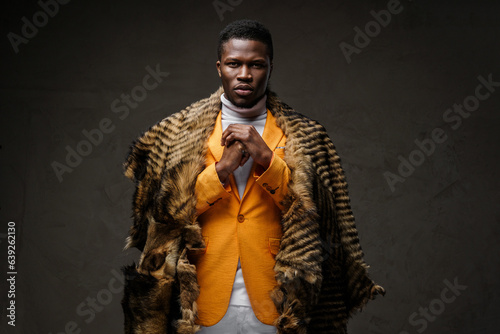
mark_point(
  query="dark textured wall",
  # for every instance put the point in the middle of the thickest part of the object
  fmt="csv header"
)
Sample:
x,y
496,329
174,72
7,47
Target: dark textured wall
x,y
427,217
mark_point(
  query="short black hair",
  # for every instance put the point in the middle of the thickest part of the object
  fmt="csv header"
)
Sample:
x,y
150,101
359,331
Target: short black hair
x,y
245,29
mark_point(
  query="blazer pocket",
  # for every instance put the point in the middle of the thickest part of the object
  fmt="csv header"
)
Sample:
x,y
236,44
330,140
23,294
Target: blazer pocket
x,y
274,246
199,251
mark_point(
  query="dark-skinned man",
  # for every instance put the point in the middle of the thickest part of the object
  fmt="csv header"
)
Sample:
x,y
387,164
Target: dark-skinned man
x,y
241,212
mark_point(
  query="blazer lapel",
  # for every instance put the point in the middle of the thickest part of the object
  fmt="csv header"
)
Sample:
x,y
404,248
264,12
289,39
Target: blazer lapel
x,y
272,136
272,133
214,141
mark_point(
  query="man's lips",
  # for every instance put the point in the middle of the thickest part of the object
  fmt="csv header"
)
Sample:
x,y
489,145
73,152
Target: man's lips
x,y
243,90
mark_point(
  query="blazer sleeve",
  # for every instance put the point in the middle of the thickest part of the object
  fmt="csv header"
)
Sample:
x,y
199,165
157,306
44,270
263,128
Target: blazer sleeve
x,y
274,180
209,189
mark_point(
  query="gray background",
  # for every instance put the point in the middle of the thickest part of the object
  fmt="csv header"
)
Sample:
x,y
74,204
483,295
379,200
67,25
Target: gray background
x,y
440,224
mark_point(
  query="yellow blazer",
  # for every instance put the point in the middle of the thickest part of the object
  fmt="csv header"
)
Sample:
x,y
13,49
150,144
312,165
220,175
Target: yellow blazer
x,y
235,228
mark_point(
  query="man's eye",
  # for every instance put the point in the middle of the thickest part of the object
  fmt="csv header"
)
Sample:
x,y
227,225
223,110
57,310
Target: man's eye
x,y
232,64
257,65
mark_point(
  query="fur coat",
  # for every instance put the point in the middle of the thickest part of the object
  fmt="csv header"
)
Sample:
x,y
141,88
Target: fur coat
x,y
320,273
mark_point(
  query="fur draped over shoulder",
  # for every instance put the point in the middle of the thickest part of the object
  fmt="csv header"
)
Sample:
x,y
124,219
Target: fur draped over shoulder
x,y
320,273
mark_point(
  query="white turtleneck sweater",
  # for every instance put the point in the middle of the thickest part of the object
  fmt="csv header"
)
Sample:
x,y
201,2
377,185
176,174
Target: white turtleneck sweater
x,y
255,116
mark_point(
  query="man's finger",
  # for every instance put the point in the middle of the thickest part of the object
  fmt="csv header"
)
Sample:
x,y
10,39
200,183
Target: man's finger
x,y
226,137
235,131
244,159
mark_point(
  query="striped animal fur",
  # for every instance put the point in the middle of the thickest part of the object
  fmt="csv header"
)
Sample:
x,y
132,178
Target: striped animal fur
x,y
320,273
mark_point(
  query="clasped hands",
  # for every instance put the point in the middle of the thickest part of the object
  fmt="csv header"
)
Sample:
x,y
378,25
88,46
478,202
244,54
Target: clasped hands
x,y
240,143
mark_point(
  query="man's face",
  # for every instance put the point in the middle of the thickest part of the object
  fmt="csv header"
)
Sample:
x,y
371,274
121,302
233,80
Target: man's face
x,y
244,69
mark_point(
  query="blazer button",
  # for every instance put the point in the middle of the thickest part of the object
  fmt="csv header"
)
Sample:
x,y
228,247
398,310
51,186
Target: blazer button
x,y
264,185
241,218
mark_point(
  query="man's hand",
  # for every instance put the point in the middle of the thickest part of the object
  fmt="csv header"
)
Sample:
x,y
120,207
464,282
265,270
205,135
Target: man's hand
x,y
233,156
252,142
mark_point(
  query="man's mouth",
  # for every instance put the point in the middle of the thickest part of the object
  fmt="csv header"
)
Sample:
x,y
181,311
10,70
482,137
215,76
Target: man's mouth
x,y
243,90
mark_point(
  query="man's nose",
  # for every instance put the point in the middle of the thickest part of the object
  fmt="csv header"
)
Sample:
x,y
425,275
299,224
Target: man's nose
x,y
244,73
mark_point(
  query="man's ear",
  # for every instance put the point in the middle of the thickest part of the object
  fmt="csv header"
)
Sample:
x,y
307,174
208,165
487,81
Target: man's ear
x,y
218,68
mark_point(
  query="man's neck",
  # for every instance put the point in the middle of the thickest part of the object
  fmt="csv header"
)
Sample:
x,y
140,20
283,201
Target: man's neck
x,y
231,110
